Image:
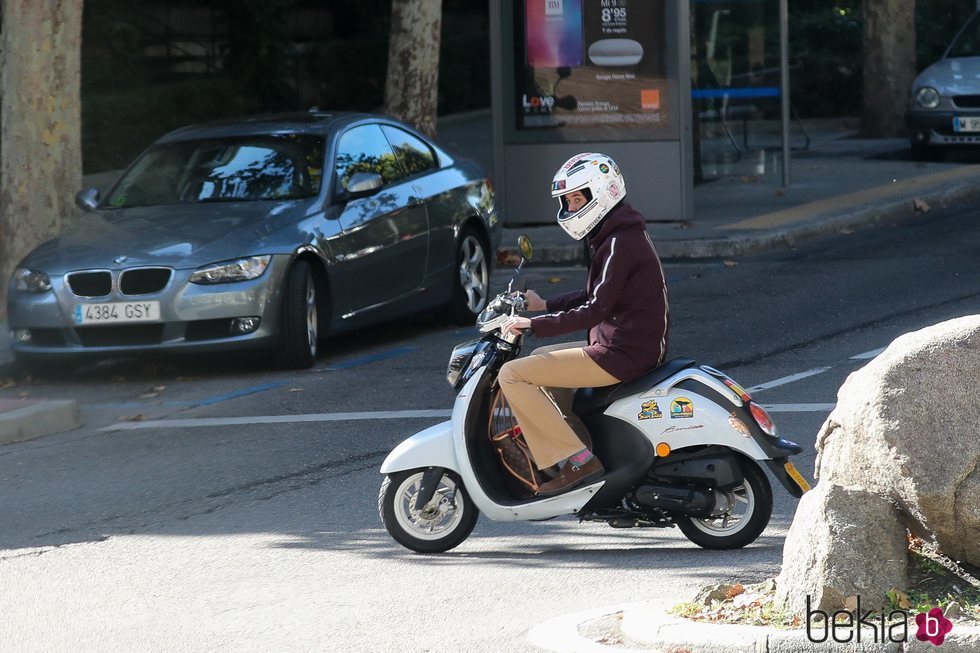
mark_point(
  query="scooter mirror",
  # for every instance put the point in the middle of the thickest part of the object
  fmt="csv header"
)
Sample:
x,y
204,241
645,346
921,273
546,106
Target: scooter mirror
x,y
524,244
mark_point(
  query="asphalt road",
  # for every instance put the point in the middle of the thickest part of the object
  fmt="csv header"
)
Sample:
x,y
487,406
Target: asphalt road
x,y
261,534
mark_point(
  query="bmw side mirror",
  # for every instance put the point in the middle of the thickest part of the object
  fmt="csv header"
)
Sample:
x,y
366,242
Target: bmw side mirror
x,y
88,199
362,184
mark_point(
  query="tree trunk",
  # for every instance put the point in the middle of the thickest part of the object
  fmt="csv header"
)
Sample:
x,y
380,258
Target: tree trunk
x,y
40,124
411,88
889,65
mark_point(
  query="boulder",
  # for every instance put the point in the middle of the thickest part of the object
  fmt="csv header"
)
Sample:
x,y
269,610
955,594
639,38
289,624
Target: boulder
x,y
843,542
905,433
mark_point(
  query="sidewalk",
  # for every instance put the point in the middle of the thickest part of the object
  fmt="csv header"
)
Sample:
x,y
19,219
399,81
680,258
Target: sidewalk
x,y
645,627
838,185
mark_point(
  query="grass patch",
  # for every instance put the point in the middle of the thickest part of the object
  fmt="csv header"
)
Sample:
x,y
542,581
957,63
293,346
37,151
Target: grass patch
x,y
934,581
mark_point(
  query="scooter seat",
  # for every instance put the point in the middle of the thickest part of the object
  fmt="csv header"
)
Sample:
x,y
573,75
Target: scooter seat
x,y
588,400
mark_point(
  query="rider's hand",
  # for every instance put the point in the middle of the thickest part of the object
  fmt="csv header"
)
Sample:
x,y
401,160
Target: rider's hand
x,y
534,301
515,323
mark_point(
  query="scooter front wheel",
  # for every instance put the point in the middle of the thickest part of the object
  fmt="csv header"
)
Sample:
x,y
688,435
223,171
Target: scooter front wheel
x,y
743,519
444,523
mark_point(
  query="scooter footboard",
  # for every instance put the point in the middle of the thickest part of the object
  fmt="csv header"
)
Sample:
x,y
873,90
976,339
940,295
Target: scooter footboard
x,y
432,447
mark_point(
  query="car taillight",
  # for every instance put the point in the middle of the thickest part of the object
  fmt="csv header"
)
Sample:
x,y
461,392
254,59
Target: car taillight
x,y
762,418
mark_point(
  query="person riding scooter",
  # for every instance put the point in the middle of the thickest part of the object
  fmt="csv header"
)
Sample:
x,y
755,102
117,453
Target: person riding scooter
x,y
624,307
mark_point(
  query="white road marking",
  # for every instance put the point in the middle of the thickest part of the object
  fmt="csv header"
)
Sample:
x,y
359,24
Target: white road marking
x,y
798,408
195,422
788,379
198,422
867,355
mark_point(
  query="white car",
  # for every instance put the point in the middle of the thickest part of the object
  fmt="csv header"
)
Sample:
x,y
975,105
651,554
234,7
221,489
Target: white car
x,y
944,105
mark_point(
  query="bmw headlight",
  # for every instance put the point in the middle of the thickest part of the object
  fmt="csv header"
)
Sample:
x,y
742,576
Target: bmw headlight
x,y
927,97
27,280
241,269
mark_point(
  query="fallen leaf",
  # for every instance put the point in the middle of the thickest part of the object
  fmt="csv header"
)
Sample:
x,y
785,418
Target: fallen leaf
x,y
24,395
554,279
131,418
505,257
153,392
779,192
749,179
731,264
921,206
686,224
296,389
899,598
7,384
735,590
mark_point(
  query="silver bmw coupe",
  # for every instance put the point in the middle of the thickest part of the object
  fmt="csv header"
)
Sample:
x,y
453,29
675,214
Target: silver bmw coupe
x,y
268,232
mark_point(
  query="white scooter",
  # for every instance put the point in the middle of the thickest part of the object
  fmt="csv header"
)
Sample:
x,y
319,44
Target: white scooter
x,y
682,445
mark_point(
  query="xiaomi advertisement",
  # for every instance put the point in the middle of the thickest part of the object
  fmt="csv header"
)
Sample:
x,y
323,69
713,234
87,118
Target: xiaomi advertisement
x,y
589,64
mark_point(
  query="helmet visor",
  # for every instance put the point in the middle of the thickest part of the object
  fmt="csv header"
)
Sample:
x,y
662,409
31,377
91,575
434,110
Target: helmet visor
x,y
578,203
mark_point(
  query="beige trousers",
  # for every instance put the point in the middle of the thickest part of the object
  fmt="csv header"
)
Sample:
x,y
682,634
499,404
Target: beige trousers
x,y
540,389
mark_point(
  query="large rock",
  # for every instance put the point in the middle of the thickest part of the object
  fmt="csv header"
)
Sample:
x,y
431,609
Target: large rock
x,y
843,542
906,430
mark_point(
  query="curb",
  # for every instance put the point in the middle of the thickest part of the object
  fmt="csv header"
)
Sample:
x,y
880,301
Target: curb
x,y
561,635
38,418
899,210
654,627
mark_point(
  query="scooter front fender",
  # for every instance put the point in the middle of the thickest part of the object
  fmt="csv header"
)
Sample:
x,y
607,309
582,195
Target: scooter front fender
x,y
432,447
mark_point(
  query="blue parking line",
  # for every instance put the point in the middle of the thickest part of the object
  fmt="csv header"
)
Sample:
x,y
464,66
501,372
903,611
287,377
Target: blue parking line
x,y
373,358
238,393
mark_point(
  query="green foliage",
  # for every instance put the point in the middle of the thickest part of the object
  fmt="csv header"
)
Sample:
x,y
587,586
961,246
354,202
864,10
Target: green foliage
x,y
826,78
117,125
259,50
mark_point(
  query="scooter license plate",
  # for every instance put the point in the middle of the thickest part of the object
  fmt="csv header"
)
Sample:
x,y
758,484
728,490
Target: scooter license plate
x,y
797,477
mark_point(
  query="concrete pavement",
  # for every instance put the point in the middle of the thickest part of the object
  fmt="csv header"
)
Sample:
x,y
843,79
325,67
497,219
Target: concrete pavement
x,y
645,627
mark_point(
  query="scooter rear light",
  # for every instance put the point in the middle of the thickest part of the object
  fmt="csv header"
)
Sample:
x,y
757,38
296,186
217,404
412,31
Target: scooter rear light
x,y
762,419
737,389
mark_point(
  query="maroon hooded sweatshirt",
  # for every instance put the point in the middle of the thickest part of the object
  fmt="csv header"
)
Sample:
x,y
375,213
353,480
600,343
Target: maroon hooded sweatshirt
x,y
624,304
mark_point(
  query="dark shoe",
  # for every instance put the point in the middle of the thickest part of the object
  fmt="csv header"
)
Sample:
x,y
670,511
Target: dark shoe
x,y
571,477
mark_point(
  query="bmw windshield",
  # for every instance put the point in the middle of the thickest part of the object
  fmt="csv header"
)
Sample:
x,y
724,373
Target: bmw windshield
x,y
235,169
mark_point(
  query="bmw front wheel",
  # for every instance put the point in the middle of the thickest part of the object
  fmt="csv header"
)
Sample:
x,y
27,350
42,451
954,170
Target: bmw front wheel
x,y
296,344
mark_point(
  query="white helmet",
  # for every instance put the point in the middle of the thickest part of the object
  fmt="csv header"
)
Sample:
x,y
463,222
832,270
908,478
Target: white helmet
x,y
598,178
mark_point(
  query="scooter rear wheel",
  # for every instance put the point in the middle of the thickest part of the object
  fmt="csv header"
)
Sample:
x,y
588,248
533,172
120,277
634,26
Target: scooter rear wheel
x,y
743,523
448,519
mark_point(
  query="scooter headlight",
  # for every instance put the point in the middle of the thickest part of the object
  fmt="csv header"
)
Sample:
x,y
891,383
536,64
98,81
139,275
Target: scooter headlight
x,y
458,360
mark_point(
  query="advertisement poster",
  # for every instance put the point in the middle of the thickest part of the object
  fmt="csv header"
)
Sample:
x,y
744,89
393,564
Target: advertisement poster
x,y
591,63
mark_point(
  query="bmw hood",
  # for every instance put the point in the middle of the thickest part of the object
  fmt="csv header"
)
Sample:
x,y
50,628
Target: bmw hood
x,y
955,76
178,236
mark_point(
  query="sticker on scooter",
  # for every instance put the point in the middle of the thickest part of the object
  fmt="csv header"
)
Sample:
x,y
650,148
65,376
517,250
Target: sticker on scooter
x,y
681,407
739,425
649,410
